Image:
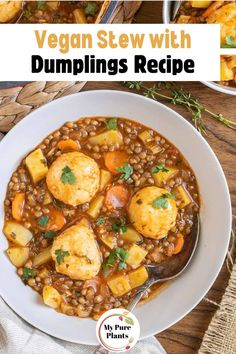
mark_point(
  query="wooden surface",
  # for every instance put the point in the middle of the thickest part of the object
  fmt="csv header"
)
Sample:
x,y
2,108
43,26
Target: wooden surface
x,y
185,337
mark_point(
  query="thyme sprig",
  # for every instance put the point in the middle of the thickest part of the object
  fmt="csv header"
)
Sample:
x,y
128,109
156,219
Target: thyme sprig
x,y
179,96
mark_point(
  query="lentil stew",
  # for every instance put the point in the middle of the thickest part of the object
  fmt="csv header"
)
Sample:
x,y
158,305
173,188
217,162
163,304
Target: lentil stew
x,y
94,203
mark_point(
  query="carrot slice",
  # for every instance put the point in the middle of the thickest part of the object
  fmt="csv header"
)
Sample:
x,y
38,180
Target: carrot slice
x,y
67,145
178,244
56,220
213,7
18,206
114,159
116,197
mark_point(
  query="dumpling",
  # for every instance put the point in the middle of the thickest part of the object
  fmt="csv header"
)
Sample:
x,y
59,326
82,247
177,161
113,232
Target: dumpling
x,y
73,178
76,253
9,10
151,221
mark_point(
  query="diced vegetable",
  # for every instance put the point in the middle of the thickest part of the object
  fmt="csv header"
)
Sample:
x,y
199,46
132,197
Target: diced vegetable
x,y
109,240
56,220
138,277
79,16
53,4
131,235
162,176
68,145
51,296
226,74
179,243
43,273
184,19
37,165
116,197
146,137
43,257
119,285
18,206
110,137
96,206
154,147
183,195
114,159
201,4
47,199
212,8
136,254
17,233
105,178
232,62
18,255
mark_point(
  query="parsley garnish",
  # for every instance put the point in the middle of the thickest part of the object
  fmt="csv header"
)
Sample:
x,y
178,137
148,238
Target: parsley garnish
x,y
60,254
162,202
100,220
41,5
49,234
91,8
111,124
43,220
159,168
126,171
230,42
67,176
27,12
120,226
28,273
118,253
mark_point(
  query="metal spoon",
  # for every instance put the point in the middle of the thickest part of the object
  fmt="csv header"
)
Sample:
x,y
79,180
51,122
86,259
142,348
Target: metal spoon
x,y
168,270
175,9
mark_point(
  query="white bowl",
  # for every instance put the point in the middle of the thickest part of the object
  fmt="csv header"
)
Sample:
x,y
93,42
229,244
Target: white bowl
x,y
184,293
166,11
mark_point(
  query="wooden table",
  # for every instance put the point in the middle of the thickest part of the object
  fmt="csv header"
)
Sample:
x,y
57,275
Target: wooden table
x,y
185,337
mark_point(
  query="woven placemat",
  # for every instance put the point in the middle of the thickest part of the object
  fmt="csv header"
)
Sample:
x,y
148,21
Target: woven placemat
x,y
17,102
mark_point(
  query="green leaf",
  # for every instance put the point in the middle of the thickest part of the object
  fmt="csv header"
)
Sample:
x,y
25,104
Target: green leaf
x,y
111,124
117,253
28,273
230,42
91,8
41,5
169,195
158,168
49,234
27,12
126,171
162,202
118,225
129,320
121,265
43,220
100,220
67,176
60,255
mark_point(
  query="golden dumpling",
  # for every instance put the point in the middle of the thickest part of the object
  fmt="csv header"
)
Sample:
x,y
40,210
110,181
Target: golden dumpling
x,y
73,178
9,10
152,219
75,252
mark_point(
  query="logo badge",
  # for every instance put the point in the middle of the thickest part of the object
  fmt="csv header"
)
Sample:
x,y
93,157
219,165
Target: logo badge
x,y
118,330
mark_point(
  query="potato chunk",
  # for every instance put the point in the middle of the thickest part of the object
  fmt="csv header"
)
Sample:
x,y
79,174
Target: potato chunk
x,y
105,177
37,165
201,4
162,176
18,255
119,285
138,277
110,137
43,257
226,74
51,296
96,206
183,195
131,235
17,233
135,255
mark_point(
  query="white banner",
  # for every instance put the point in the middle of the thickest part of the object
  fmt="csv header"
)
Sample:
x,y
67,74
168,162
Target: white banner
x,y
146,52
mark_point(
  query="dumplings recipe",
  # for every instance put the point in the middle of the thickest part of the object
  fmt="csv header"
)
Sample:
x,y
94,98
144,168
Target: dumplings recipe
x,y
90,206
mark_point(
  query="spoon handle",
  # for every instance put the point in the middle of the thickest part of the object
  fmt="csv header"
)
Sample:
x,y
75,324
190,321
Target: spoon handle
x,y
139,294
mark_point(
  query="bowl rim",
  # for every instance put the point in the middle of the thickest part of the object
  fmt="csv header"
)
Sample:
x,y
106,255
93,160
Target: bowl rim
x,y
211,84
216,161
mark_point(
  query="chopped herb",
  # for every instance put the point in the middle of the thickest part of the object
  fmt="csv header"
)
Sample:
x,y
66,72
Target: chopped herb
x,y
100,220
28,273
111,124
49,234
27,12
125,171
230,42
91,8
41,5
118,253
119,226
43,220
159,168
67,176
162,202
60,255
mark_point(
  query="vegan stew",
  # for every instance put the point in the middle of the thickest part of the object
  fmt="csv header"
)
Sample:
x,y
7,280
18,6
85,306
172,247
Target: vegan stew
x,y
90,206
